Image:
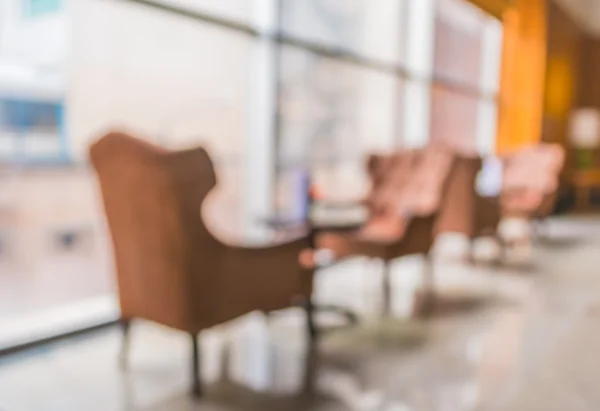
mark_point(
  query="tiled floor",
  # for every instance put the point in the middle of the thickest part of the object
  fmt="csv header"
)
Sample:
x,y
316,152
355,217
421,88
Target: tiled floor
x,y
528,341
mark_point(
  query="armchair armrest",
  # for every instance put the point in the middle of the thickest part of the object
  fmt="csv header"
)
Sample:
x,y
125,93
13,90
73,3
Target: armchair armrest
x,y
266,278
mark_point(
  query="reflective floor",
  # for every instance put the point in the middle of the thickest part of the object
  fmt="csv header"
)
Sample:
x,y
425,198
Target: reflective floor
x,y
504,338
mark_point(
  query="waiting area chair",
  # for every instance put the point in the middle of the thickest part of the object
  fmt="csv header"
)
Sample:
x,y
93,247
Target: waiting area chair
x,y
407,192
170,268
528,191
417,195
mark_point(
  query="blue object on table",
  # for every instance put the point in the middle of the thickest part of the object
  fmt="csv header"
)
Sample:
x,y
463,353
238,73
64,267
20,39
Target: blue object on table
x,y
489,179
301,194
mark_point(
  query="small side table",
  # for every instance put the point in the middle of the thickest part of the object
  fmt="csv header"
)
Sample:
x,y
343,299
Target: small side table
x,y
334,219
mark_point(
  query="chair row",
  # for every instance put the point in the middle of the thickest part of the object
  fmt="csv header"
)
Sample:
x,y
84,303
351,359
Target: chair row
x,y
172,270
416,195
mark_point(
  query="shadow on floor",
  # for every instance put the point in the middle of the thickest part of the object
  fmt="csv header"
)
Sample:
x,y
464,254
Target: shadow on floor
x,y
563,243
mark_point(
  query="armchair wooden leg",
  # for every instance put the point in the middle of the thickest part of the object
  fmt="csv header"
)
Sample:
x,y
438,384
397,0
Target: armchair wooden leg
x,y
125,343
196,383
537,229
504,249
311,327
429,293
387,289
471,251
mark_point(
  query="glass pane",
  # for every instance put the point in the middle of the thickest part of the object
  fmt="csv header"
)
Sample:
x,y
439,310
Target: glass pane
x,y
371,28
468,47
333,114
492,56
490,84
458,42
154,77
454,117
121,66
240,10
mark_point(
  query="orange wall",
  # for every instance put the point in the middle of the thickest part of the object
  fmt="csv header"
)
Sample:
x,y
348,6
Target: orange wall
x,y
494,7
523,73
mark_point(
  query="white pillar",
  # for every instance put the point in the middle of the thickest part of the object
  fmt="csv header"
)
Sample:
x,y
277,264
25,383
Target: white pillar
x,y
419,63
259,154
487,115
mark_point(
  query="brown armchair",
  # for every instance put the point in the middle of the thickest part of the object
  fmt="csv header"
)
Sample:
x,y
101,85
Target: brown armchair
x,y
463,210
170,268
407,191
458,210
529,191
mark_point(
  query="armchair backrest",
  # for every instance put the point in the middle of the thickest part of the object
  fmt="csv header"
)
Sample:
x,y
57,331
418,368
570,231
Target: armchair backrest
x,y
531,177
389,175
410,181
426,189
152,199
460,202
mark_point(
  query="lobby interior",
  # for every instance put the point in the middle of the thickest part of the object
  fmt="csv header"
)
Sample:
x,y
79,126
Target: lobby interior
x,y
292,99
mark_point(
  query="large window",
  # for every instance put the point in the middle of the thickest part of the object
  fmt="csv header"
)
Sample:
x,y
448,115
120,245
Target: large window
x,y
168,78
332,113
162,76
369,28
270,87
362,76
340,90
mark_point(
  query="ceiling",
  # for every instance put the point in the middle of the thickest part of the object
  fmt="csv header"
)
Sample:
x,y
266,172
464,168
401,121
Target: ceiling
x,y
585,12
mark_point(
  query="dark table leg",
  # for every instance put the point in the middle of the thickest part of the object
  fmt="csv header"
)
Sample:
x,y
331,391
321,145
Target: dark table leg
x,y
338,309
343,311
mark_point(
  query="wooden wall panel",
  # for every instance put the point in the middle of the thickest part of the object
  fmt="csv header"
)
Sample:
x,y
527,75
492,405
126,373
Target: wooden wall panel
x,y
589,78
565,51
589,73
